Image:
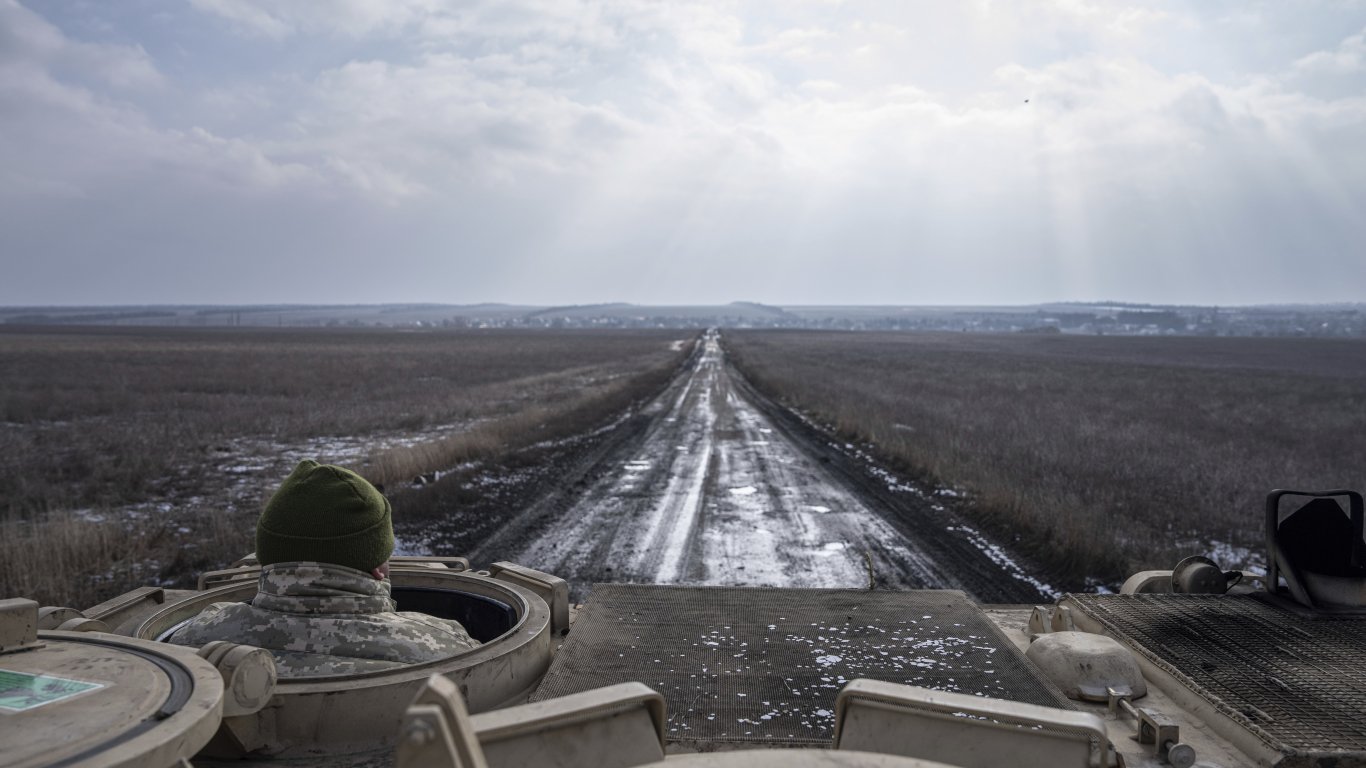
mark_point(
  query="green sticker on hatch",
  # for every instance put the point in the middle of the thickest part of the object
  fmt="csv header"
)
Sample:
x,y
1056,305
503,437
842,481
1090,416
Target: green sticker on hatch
x,y
20,691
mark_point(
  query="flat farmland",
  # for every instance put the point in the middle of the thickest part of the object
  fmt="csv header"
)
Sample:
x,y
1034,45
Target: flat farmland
x,y
130,455
1097,455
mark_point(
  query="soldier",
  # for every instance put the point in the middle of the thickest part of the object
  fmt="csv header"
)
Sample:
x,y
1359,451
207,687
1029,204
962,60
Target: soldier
x,y
323,605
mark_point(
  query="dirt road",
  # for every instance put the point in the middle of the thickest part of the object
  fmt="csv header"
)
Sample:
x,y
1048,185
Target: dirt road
x,y
724,488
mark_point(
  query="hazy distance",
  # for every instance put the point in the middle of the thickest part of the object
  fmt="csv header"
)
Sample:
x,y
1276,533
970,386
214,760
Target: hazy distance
x,y
787,152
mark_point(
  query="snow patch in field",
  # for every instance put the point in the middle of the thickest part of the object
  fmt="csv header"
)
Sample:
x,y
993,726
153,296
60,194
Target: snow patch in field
x,y
893,483
1097,586
582,436
241,469
1232,556
405,546
999,557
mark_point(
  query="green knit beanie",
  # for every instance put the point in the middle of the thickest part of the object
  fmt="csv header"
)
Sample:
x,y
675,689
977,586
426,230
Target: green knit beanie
x,y
326,514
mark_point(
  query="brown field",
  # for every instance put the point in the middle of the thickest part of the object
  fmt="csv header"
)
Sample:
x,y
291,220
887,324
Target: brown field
x,y
1100,455
129,455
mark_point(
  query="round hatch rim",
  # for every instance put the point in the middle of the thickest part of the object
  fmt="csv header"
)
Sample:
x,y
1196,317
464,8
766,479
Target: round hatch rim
x,y
176,728
533,621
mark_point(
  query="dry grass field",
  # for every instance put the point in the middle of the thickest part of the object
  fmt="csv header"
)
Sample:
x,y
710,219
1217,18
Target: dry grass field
x,y
134,455
1102,455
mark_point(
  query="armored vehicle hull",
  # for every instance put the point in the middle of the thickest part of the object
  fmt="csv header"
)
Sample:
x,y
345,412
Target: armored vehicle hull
x,y
1185,666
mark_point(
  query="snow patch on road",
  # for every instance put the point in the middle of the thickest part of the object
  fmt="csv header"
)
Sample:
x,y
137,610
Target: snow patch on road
x,y
675,547
833,548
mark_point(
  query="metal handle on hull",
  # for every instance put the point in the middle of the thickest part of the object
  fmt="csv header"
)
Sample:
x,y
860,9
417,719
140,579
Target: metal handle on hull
x,y
1153,727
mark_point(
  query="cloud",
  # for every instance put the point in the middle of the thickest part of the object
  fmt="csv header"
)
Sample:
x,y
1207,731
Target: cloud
x,y
26,39
583,151
68,139
1347,58
248,16
1115,18
346,18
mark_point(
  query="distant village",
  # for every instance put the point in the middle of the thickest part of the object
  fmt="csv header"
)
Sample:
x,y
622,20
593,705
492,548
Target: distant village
x,y
1326,320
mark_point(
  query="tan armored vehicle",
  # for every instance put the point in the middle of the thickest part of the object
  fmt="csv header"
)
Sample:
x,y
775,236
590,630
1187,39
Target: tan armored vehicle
x,y
1193,666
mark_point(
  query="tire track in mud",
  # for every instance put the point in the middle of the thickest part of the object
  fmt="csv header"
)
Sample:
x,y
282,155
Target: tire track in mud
x,y
726,488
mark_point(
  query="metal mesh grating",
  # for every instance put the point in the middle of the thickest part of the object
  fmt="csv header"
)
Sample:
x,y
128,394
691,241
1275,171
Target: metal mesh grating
x,y
1297,681
764,665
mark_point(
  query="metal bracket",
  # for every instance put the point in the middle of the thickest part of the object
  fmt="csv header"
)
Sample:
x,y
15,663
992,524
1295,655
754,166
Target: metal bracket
x,y
437,731
113,611
1279,566
1040,620
430,561
1155,729
52,617
209,579
18,625
1062,619
552,589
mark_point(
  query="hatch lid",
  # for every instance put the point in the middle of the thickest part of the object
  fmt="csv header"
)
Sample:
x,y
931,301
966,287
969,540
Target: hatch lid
x,y
93,699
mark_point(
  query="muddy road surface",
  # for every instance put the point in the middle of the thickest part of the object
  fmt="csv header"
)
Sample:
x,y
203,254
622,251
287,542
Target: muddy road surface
x,y
723,487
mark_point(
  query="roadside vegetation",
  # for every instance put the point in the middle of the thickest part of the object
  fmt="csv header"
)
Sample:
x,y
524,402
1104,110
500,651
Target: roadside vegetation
x,y
1099,456
136,455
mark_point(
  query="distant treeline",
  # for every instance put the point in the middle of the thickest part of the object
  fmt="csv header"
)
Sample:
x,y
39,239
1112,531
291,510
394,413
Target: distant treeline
x,y
87,318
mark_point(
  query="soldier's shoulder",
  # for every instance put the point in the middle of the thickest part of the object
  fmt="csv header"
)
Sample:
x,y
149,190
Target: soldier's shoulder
x,y
208,623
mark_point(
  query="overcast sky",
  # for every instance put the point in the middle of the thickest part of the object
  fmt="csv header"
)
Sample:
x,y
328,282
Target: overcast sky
x,y
789,152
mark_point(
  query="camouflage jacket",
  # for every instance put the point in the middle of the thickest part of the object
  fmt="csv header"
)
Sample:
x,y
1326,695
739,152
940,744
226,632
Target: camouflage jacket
x,y
320,619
